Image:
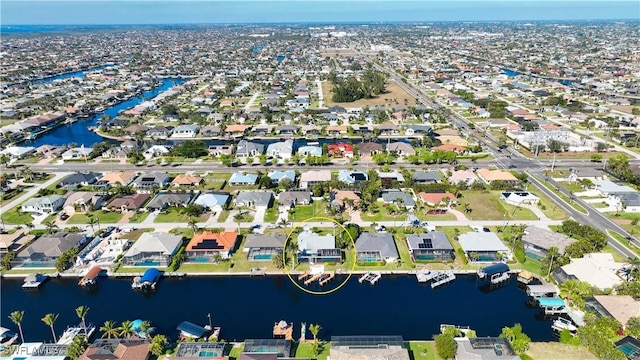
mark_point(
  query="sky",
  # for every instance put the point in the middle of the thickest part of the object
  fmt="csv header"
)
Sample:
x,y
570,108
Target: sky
x,y
54,12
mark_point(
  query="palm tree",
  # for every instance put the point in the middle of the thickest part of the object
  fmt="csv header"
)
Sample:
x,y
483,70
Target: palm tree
x,y
16,317
193,224
126,328
634,266
92,221
50,319
50,225
109,329
283,222
27,173
82,312
314,329
146,328
238,219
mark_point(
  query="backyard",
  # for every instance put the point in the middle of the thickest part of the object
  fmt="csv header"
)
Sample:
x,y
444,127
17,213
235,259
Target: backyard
x,y
486,205
304,212
102,216
174,215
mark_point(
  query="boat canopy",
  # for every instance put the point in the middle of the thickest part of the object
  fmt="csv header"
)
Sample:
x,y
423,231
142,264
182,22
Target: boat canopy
x,y
495,269
542,289
150,275
551,302
192,330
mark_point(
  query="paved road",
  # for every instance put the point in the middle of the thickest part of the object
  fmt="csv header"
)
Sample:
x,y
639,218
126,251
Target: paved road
x,y
32,191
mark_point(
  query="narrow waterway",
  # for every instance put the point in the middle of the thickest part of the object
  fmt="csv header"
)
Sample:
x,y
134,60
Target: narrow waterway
x,y
248,307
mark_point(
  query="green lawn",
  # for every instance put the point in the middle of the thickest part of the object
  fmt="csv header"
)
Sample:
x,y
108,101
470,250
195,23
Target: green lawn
x,y
486,205
617,257
573,187
563,197
138,218
14,217
224,214
176,216
236,351
422,350
222,266
134,234
305,350
382,214
533,266
422,215
271,215
304,212
548,207
103,217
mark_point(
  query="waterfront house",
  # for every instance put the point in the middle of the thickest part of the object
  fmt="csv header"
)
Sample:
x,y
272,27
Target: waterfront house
x,y
310,150
123,178
369,148
84,201
210,131
77,153
217,150
376,247
128,202
518,198
352,177
254,349
43,204
152,249
598,269
185,131
155,151
187,180
337,130
340,150
314,248
261,247
397,197
249,149
254,199
483,246
619,307
400,149
390,179
281,150
312,177
116,152
388,129
278,176
76,180
537,241
117,349
489,176
200,351
213,201
160,132
294,197
368,347
484,348
262,130
426,177
45,250
165,199
411,130
243,179
287,130
148,182
436,199
466,177
433,245
203,246
18,152
237,130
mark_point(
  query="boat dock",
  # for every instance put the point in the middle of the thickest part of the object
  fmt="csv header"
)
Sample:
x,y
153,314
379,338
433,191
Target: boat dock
x,y
539,291
89,279
33,281
370,277
326,277
313,278
283,330
258,272
525,277
552,305
443,277
303,276
148,280
424,276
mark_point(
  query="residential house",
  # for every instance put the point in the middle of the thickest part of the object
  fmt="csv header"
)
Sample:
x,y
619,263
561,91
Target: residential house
x,y
118,349
218,150
426,177
243,179
262,247
112,179
203,246
277,348
152,249
518,198
43,204
340,150
483,246
495,348
376,247
45,250
76,180
294,198
466,177
340,198
619,307
314,248
337,130
437,199
128,202
160,132
388,129
186,180
237,130
287,130
210,131
623,196
422,130
400,148
368,347
433,245
165,199
204,350
155,151
281,150
278,176
537,241
489,176
254,199
370,148
213,201
310,151
18,152
185,131
598,269
400,198
151,181
15,242
84,201
249,149
390,179
352,177
77,153
312,177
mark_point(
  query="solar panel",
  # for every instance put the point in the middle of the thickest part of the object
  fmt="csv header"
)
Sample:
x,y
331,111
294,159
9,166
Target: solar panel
x,y
363,342
208,244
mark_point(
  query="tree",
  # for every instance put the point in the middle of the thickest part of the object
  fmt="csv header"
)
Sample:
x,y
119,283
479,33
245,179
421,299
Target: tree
x,y
50,319
50,225
518,340
193,224
237,218
446,345
77,347
158,344
81,312
193,210
16,317
147,329
314,329
126,329
109,329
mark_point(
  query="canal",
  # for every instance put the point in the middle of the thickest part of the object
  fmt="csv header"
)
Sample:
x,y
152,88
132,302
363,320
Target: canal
x,y
248,307
79,133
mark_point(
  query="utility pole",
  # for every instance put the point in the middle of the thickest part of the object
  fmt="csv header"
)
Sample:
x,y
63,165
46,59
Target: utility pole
x,y
553,164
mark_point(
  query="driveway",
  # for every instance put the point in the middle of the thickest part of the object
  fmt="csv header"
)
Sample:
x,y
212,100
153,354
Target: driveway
x,y
260,212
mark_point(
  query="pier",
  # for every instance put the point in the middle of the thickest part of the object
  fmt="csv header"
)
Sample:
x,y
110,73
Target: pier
x,y
283,330
326,277
313,278
424,276
90,277
258,272
442,278
33,281
370,277
525,277
303,276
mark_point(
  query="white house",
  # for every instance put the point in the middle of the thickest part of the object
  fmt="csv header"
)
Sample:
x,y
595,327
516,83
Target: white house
x,y
43,204
155,151
18,152
281,150
598,269
185,131
518,198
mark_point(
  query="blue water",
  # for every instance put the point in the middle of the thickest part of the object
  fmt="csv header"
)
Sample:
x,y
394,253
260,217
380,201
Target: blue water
x,y
281,58
74,74
510,73
78,132
248,307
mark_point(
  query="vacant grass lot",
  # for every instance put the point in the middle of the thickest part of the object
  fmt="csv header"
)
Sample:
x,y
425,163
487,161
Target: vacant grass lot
x,y
305,212
103,217
558,351
394,95
176,216
486,205
422,350
14,217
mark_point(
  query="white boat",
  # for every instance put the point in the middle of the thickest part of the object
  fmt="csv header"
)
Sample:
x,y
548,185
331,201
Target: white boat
x,y
7,337
73,331
563,324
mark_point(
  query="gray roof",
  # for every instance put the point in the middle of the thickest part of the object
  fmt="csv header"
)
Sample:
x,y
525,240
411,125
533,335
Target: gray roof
x,y
484,348
43,200
313,242
391,196
151,178
52,245
169,198
382,242
79,178
545,239
245,147
630,199
481,241
275,240
426,176
439,241
258,198
294,197
155,242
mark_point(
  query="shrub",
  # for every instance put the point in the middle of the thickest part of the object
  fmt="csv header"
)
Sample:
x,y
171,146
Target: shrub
x,y
519,253
462,256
